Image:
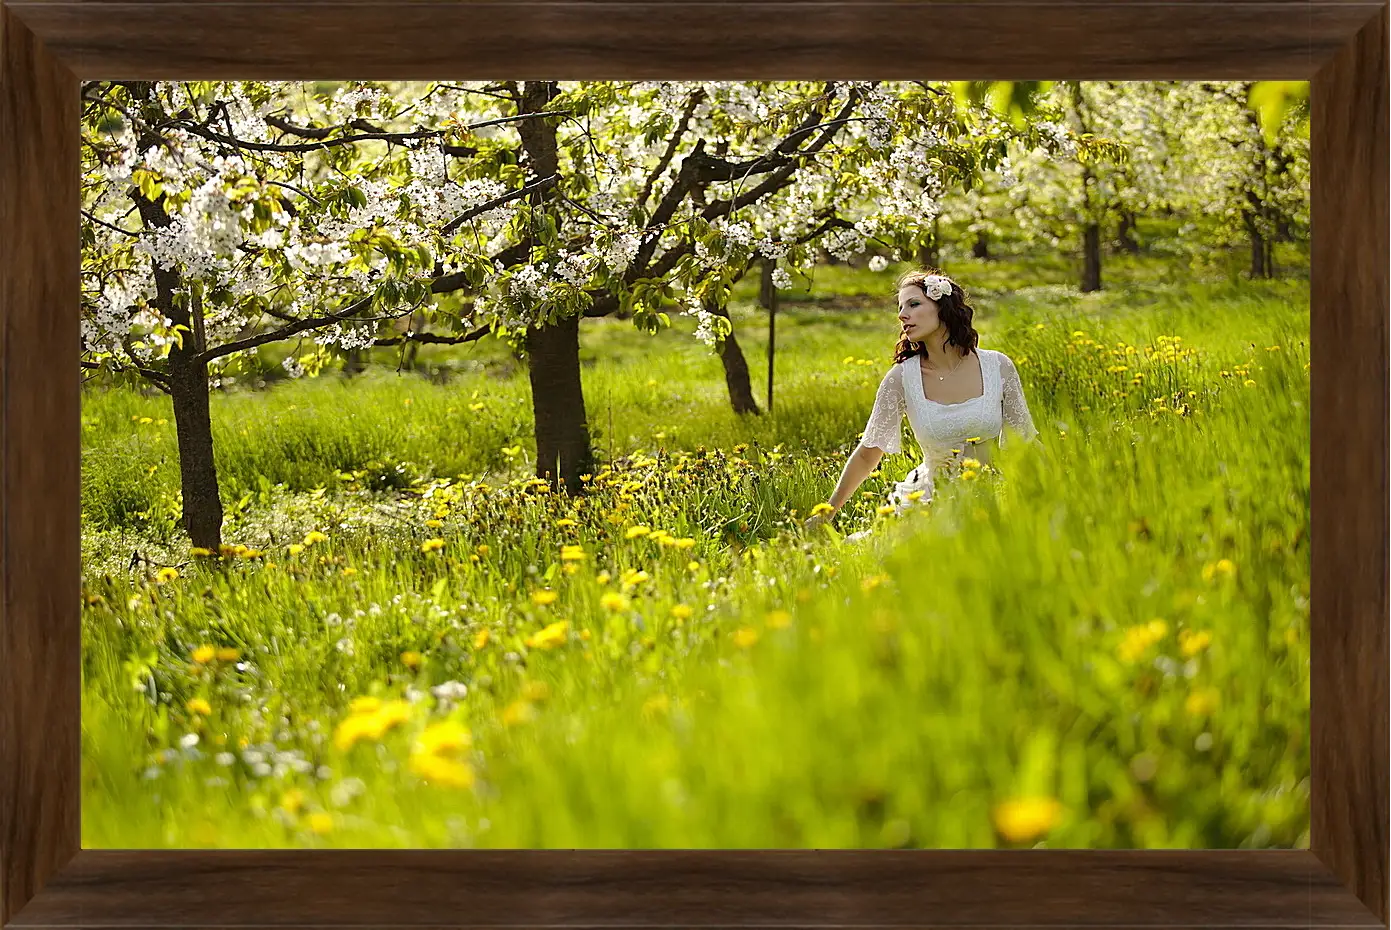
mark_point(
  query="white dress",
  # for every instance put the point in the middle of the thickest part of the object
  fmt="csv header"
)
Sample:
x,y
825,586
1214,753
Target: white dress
x,y
943,430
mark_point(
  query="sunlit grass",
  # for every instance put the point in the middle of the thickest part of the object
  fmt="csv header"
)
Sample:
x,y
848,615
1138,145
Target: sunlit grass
x,y
1104,645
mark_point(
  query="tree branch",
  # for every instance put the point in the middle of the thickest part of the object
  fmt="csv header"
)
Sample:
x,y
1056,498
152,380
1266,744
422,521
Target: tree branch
x,y
432,339
283,332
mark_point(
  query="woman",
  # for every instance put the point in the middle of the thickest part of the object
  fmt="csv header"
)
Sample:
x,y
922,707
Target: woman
x,y
956,397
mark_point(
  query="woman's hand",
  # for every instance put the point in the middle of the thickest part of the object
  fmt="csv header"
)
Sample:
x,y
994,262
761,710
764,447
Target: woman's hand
x,y
821,514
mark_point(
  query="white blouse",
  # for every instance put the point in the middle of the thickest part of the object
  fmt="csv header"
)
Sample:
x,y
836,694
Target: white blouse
x,y
942,430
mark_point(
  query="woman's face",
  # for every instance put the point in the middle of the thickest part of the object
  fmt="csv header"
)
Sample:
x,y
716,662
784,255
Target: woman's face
x,y
917,313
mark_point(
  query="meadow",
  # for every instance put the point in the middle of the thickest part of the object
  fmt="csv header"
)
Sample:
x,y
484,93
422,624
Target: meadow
x,y
409,642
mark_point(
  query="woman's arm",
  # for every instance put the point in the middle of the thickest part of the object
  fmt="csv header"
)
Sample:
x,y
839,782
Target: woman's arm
x,y
883,433
858,467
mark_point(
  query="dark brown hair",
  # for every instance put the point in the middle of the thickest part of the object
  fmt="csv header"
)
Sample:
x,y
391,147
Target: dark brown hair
x,y
953,310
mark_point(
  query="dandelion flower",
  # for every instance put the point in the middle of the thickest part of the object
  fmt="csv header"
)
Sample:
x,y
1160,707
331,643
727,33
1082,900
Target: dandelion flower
x,y
165,575
552,636
321,822
779,619
200,706
411,660
744,637
614,601
634,532
544,598
682,611
449,773
204,654
1024,819
1191,643
480,639
821,508
314,536
432,545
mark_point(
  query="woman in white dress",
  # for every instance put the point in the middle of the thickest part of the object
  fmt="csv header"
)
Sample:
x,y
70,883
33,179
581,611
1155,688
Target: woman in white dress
x,y
956,396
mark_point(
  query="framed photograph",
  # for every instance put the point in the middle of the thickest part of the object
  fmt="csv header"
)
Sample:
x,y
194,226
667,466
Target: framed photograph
x,y
793,466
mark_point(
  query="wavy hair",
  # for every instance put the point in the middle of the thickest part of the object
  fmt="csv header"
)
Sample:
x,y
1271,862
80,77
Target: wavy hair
x,y
953,310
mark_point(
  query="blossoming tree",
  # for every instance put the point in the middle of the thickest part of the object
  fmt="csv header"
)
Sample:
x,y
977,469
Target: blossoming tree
x,y
220,217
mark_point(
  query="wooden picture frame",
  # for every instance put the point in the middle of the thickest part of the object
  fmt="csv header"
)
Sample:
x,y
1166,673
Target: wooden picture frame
x,y
48,46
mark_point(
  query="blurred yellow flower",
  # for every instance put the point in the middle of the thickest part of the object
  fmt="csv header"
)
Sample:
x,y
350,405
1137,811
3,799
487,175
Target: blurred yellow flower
x,y
744,637
1191,643
200,706
443,738
614,601
682,611
550,637
543,598
518,712
821,508
1201,703
572,553
371,725
321,822
432,545
314,536
1021,820
411,660
636,531
480,639
450,773
779,619
565,521
166,575
295,548
204,654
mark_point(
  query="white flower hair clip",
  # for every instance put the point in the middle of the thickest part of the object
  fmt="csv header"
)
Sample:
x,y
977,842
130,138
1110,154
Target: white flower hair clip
x,y
936,286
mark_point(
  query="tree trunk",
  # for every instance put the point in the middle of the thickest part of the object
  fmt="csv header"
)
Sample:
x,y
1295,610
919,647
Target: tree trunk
x,y
188,386
1091,258
1126,235
188,383
563,451
557,402
930,252
354,362
1260,248
736,370
768,297
981,248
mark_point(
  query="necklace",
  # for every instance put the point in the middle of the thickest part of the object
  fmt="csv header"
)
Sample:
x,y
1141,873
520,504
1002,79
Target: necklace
x,y
948,374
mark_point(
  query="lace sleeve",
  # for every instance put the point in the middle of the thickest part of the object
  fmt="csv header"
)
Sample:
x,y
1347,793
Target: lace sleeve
x,y
1015,408
885,427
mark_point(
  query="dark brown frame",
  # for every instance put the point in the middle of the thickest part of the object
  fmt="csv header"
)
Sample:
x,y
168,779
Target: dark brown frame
x,y
46,46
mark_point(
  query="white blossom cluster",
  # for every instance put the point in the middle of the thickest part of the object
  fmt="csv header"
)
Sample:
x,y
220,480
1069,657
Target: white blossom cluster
x,y
347,336
621,250
705,321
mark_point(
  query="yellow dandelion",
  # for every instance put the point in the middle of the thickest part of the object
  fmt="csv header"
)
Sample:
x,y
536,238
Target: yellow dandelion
x,y
692,566
443,738
885,510
432,545
292,800
371,725
603,577
1191,643
201,551
480,639
1201,703
411,660
873,581
434,524
295,548
165,575
566,521
744,637
364,705
572,554
228,655
544,598
482,549
449,773
518,712
552,636
1022,820
634,532
779,619
682,611
321,822
614,601
204,654
821,508
199,706
314,536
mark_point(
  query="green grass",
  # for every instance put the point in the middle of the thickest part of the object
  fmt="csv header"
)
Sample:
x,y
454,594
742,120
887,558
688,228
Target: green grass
x,y
806,690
